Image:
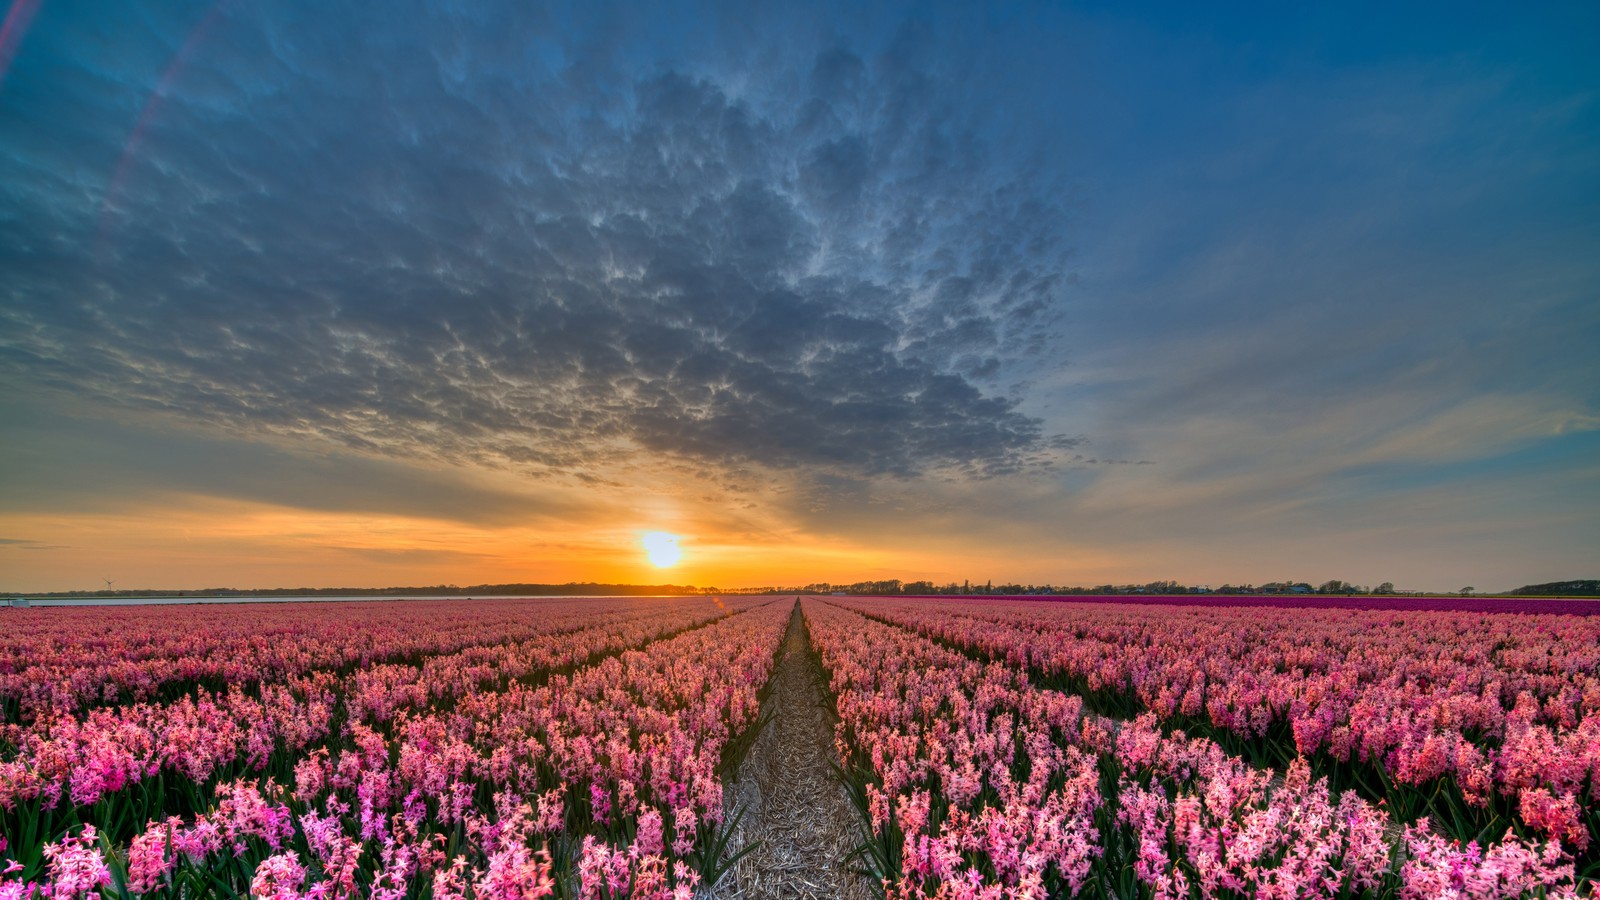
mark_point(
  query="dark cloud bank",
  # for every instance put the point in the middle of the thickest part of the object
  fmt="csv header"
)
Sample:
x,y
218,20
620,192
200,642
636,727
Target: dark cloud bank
x,y
513,242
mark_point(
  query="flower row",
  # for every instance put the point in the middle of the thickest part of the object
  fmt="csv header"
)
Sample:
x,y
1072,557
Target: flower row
x,y
1504,707
975,783
599,783
80,758
56,659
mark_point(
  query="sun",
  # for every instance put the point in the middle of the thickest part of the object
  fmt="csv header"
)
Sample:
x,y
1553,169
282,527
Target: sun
x,y
662,548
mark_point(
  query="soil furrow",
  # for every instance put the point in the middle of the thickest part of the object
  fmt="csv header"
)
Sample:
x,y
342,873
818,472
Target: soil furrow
x,y
796,812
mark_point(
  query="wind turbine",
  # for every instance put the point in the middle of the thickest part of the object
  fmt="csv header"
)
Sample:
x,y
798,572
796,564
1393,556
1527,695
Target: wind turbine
x,y
108,584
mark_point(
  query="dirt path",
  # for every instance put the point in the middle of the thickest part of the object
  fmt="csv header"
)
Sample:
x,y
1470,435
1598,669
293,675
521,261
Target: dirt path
x,y
794,807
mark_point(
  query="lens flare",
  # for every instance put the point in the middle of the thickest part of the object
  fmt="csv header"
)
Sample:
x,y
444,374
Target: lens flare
x,y
16,24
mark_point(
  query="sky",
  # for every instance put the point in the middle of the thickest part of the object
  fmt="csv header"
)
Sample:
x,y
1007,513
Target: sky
x,y
400,293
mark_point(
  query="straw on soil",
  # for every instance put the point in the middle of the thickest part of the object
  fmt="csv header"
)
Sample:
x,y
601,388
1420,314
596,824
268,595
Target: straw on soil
x,y
794,806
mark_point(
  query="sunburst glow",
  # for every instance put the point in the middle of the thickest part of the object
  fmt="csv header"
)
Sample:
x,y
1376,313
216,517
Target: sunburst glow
x,y
662,548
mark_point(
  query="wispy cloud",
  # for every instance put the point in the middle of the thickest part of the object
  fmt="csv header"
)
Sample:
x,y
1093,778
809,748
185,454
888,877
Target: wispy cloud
x,y
24,544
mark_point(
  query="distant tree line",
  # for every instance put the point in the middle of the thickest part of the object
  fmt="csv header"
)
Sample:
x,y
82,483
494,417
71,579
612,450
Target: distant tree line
x,y
1584,587
886,587
571,588
895,586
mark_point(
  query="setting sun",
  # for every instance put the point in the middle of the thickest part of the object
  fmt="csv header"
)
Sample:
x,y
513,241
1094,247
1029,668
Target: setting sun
x,y
662,548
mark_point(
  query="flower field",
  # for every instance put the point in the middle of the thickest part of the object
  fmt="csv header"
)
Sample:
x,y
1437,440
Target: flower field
x,y
993,749
1448,730
505,749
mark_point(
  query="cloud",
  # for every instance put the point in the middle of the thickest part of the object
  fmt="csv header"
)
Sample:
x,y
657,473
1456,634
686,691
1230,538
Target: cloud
x,y
23,544
808,265
534,254
414,555
61,464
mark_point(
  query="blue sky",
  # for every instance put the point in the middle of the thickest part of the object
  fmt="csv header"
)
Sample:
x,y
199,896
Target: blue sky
x,y
1084,293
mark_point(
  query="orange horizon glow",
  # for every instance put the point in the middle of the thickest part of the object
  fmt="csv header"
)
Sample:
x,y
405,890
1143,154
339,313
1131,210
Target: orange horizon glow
x,y
734,534
195,543
241,545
